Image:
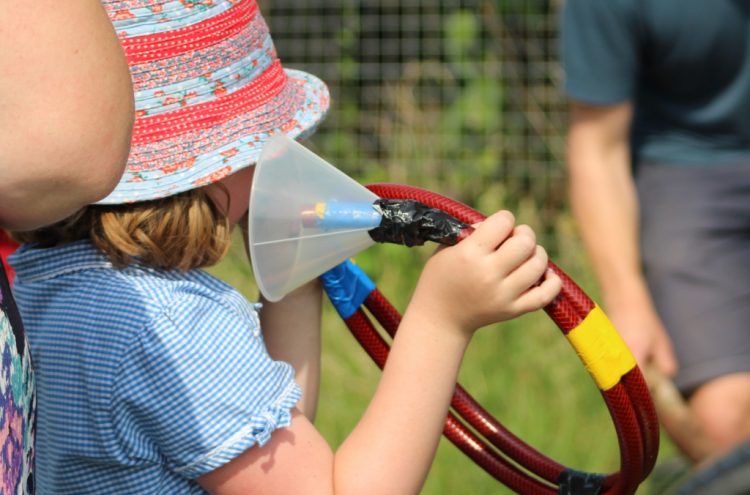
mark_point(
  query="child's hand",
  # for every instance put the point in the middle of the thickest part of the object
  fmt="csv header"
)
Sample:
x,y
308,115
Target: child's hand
x,y
497,273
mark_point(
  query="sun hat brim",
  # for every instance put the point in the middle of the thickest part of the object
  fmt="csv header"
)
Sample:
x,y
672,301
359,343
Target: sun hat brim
x,y
201,157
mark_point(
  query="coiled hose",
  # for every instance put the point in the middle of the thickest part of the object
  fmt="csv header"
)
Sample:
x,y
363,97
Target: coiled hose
x,y
498,451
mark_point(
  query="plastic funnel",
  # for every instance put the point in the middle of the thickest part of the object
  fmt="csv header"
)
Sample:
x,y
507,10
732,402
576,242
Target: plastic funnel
x,y
306,217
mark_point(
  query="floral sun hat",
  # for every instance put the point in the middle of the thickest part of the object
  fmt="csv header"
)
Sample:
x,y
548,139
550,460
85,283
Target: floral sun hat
x,y
209,92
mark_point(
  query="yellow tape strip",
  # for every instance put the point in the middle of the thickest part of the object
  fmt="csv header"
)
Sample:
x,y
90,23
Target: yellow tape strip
x,y
605,355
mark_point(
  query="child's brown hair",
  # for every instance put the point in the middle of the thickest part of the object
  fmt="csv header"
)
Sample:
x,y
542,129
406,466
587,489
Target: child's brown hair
x,y
183,231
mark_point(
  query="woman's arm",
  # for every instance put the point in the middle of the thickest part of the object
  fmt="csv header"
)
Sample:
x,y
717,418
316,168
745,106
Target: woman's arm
x,y
66,110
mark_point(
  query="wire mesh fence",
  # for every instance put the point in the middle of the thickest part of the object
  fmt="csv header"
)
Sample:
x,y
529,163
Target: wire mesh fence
x,y
458,96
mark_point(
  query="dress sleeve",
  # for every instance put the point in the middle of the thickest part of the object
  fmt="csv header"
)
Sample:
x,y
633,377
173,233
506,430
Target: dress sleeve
x,y
199,388
601,50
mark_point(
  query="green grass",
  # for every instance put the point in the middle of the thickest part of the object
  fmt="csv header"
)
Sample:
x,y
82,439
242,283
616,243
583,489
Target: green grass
x,y
523,371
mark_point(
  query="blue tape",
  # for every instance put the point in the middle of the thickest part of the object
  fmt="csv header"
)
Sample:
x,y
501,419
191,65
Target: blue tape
x,y
349,216
347,287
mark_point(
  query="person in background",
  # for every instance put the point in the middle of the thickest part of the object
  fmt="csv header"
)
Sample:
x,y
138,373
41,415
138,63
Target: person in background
x,y
159,378
659,164
64,76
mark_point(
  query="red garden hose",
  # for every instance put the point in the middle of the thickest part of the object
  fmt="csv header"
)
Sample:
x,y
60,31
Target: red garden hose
x,y
498,451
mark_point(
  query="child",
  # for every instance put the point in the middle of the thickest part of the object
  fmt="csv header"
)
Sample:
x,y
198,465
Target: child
x,y
154,377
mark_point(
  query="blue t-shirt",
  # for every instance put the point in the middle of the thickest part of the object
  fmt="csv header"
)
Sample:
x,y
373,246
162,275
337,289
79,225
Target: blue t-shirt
x,y
17,399
685,65
146,379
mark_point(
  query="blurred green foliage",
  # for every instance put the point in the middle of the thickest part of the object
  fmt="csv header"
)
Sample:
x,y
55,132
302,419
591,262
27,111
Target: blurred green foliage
x,y
460,97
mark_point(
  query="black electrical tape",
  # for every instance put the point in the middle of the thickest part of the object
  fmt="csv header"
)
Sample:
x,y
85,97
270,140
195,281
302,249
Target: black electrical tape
x,y
411,223
572,482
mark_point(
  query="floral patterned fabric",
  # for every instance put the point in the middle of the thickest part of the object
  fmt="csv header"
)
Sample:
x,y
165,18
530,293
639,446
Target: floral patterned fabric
x,y
17,399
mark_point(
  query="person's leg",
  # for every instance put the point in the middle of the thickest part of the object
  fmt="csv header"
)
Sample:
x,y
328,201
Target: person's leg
x,y
696,251
722,406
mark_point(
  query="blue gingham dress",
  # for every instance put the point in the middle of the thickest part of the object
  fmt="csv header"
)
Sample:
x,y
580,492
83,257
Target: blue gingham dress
x,y
146,379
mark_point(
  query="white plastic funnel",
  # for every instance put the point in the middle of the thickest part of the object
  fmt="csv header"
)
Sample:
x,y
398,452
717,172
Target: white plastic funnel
x,y
288,245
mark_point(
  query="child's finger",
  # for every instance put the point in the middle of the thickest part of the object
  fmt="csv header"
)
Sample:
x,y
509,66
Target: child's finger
x,y
517,249
540,295
530,272
492,231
